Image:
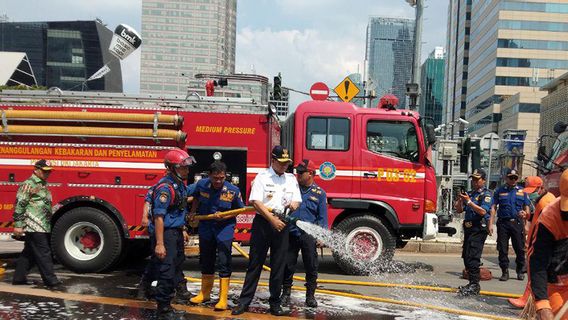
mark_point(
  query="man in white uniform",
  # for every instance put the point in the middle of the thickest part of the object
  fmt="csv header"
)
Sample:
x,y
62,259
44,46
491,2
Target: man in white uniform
x,y
276,189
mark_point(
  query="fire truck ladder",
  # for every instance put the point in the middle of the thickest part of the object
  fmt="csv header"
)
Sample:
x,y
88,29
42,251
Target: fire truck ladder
x,y
191,102
58,98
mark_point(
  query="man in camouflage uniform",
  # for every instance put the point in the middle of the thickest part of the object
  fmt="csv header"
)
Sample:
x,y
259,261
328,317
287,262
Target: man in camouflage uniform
x,y
32,216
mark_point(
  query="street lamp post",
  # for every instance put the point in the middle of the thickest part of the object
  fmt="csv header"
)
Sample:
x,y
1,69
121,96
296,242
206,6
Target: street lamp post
x,y
414,87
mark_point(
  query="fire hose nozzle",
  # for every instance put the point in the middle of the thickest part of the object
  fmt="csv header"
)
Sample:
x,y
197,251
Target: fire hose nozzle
x,y
283,214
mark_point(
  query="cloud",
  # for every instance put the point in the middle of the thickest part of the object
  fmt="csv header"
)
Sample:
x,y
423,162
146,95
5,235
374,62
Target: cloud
x,y
302,56
131,72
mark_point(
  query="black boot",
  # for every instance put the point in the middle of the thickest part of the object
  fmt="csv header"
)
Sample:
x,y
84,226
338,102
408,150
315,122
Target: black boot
x,y
310,296
166,312
239,309
285,297
144,290
182,294
520,275
505,275
276,310
472,289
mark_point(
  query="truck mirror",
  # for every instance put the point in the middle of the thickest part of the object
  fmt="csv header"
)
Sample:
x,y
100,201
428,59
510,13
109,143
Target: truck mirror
x,y
431,134
541,156
560,127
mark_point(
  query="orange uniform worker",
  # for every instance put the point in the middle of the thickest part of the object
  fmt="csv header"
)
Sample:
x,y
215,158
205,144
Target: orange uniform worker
x,y
549,259
540,197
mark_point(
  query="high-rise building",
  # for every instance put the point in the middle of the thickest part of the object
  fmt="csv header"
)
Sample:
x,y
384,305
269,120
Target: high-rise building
x,y
389,55
457,61
65,54
183,38
553,108
516,47
432,85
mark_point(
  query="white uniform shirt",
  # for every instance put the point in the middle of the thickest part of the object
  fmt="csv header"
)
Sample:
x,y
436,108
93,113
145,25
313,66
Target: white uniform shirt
x,y
275,191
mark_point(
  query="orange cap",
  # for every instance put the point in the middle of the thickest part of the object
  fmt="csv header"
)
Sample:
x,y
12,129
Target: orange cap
x,y
564,191
532,183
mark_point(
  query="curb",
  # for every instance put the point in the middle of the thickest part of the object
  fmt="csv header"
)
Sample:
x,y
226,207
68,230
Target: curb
x,y
415,246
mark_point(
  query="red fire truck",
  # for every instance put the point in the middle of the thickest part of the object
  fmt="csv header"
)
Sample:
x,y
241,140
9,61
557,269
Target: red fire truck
x,y
108,149
555,160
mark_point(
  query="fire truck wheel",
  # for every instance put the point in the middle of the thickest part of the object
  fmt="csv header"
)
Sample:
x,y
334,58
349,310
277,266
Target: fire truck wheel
x,y
367,240
86,240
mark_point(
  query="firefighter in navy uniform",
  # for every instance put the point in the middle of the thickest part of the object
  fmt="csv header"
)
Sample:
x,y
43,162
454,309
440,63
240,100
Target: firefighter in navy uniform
x,y
169,209
313,209
145,290
513,210
213,194
549,258
477,206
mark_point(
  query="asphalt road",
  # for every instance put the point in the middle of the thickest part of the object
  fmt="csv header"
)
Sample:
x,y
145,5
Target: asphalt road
x,y
111,295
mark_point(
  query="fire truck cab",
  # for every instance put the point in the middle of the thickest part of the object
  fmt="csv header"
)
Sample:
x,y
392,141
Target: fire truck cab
x,y
555,160
375,165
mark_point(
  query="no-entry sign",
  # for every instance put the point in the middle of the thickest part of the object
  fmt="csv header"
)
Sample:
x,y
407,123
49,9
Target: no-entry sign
x,y
319,91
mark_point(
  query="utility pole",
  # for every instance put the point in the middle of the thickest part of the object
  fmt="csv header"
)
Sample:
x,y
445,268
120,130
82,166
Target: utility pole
x,y
413,89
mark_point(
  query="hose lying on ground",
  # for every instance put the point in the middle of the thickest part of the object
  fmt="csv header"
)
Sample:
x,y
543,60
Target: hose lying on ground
x,y
383,300
386,285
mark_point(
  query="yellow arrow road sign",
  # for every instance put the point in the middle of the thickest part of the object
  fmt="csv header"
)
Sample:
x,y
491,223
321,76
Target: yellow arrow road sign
x,y
346,90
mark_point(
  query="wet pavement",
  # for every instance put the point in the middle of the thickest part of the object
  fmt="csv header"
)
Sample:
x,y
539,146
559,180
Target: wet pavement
x,y
112,295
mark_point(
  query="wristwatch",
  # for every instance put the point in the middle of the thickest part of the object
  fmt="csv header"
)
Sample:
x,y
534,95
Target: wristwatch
x,y
467,202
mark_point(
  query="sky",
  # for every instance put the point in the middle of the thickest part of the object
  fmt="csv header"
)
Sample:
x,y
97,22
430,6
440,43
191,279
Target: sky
x,y
306,40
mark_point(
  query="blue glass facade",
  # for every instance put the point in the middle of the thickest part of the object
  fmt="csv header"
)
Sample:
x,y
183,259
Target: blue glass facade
x,y
389,55
65,53
432,89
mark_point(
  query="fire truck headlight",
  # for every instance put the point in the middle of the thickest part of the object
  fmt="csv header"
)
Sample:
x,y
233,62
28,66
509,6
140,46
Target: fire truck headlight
x,y
235,180
197,177
217,156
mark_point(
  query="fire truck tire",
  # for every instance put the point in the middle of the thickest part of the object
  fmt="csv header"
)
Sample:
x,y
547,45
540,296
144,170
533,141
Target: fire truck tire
x,y
86,240
374,241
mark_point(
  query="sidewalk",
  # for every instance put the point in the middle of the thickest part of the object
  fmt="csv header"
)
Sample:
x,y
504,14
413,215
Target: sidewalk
x,y
445,244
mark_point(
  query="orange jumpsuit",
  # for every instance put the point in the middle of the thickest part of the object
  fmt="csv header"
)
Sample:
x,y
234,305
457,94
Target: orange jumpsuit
x,y
548,262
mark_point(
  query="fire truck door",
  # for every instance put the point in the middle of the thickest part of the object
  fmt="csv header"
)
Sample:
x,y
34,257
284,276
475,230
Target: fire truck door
x,y
390,167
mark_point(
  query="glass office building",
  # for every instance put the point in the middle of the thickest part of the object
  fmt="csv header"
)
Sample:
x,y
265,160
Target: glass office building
x,y
516,47
389,55
457,62
432,85
65,54
185,38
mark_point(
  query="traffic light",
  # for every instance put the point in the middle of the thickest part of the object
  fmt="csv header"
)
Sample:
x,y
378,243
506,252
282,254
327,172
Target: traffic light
x,y
476,154
464,158
277,93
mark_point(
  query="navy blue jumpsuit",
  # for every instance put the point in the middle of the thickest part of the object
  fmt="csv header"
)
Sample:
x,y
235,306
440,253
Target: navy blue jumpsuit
x,y
173,212
510,200
216,236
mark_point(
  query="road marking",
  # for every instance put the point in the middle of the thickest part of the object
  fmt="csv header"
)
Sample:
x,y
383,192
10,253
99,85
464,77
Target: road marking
x,y
131,303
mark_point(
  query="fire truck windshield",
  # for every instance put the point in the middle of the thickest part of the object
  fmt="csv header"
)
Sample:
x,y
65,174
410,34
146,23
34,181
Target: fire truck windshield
x,y
559,154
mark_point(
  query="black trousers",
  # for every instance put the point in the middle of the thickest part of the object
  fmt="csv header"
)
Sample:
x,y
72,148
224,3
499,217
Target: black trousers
x,y
151,271
36,252
515,230
473,242
168,270
307,244
209,251
265,237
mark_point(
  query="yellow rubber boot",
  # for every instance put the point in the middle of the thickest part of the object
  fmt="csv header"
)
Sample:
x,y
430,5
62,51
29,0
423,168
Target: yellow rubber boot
x,y
223,294
206,286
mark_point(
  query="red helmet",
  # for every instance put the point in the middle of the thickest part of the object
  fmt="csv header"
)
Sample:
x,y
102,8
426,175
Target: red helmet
x,y
178,158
